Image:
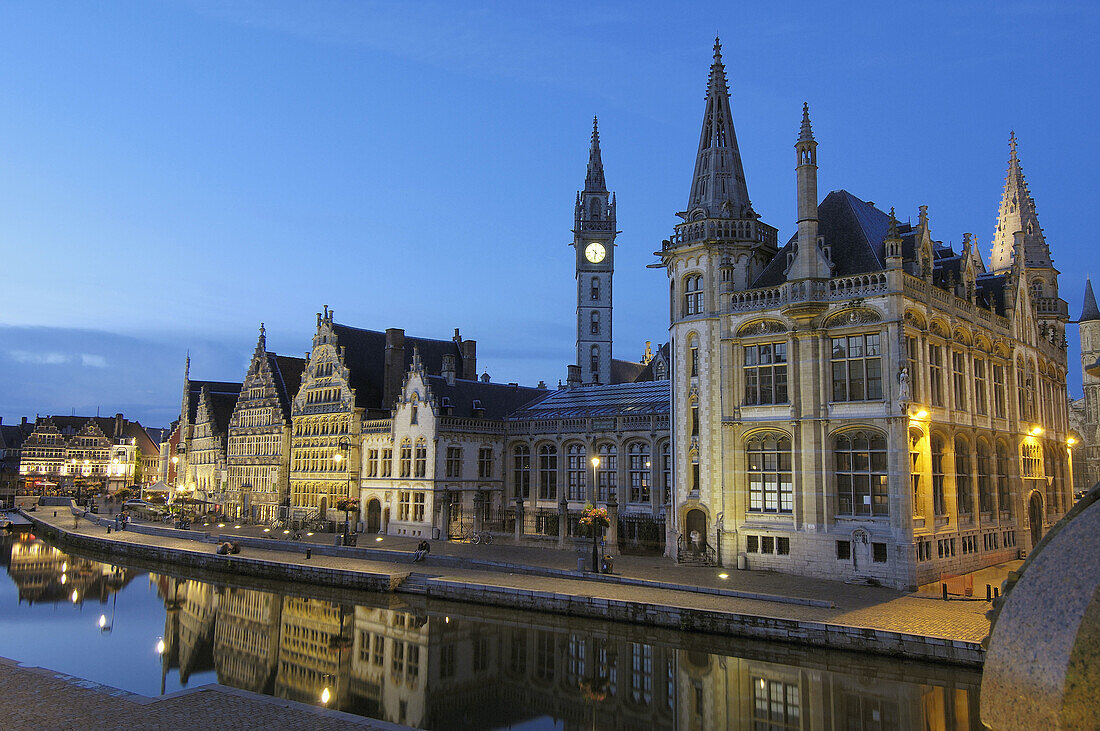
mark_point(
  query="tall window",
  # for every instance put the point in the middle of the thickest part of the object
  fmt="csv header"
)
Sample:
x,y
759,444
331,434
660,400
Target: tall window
x,y
958,368
607,474
372,463
404,505
666,473
998,390
387,462
771,489
454,462
857,369
1004,493
576,473
915,473
594,322
776,705
912,355
694,418
595,289
693,295
594,363
406,458
639,472
938,504
766,374
979,387
861,474
935,373
521,470
418,507
548,472
421,458
963,487
485,462
1033,461
985,479
693,357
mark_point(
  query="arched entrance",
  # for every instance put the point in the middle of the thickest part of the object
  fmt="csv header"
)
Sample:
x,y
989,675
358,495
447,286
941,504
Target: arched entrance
x,y
374,516
1035,517
695,529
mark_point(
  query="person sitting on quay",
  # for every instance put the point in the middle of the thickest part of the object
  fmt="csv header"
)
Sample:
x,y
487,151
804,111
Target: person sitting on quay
x,y
422,551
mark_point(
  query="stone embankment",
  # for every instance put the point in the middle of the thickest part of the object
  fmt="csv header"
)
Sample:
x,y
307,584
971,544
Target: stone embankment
x,y
841,617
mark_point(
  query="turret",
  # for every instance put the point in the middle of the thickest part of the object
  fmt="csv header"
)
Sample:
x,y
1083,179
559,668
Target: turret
x,y
810,261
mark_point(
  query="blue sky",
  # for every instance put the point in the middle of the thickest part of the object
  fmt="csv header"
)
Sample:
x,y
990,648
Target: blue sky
x,y
174,173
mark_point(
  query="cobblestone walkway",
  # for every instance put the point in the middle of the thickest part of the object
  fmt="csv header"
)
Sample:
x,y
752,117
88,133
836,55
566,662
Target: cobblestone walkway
x,y
35,698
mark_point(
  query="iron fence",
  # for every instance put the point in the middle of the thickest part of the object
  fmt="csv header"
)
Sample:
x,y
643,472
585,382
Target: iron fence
x,y
641,533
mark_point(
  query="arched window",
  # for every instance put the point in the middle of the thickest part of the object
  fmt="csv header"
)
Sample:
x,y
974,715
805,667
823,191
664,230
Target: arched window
x,y
1004,494
915,473
771,488
861,474
639,472
421,458
594,365
595,292
548,472
607,473
594,323
964,487
577,472
938,504
693,295
521,470
1036,289
406,458
985,479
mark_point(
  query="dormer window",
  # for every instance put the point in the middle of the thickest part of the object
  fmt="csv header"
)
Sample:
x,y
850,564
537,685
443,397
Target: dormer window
x,y
477,404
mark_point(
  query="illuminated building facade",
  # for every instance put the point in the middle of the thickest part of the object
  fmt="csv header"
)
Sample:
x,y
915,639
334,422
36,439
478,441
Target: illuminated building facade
x,y
863,403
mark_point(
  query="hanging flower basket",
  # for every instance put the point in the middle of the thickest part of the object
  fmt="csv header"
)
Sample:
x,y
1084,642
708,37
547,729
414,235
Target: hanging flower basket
x,y
593,518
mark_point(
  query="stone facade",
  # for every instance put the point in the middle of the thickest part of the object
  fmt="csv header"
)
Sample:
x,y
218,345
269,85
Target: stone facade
x,y
1086,410
195,461
863,403
259,436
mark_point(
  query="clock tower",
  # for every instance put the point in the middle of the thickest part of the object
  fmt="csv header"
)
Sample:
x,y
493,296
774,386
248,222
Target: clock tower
x,y
594,241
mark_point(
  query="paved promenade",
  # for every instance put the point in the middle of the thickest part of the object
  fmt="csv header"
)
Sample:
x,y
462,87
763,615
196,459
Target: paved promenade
x,y
773,605
36,698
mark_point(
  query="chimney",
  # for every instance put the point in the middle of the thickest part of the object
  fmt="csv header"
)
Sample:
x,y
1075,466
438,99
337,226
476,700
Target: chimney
x,y
449,369
394,372
468,352
573,379
542,385
24,422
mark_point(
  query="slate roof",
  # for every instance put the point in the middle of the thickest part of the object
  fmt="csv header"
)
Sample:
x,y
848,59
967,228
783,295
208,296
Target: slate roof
x,y
365,357
625,371
853,229
287,371
216,387
12,436
647,397
497,399
1089,310
222,405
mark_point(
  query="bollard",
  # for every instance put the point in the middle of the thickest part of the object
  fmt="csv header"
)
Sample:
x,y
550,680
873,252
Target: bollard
x,y
108,530
309,552
988,592
945,591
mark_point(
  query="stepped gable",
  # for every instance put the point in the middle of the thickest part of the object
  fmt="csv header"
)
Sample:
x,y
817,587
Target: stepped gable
x,y
365,358
854,230
287,372
497,400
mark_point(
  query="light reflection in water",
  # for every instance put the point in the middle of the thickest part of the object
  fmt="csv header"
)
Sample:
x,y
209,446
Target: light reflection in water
x,y
445,665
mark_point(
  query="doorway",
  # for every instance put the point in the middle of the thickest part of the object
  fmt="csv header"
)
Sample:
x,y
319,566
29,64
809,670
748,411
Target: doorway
x,y
374,516
1035,517
695,529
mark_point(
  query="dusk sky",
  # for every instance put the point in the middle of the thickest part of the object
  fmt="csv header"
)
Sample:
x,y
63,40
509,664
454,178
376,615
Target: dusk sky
x,y
174,173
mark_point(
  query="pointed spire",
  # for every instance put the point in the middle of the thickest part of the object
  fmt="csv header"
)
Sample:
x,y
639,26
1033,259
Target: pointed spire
x,y
261,343
718,185
1017,213
593,181
1089,311
806,134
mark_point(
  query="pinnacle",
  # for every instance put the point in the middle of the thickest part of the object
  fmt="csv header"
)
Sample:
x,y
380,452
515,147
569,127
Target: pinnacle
x,y
594,180
806,134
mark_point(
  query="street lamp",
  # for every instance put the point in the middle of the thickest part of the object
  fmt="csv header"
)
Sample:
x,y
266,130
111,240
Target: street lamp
x,y
344,445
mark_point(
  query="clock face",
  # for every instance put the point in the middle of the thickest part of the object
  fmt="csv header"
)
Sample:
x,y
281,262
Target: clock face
x,y
595,252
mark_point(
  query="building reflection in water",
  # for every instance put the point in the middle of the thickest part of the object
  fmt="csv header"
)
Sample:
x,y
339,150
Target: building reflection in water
x,y
444,665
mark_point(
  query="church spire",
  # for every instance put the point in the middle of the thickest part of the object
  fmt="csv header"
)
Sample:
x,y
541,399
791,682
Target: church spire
x,y
1089,311
1017,213
593,181
718,185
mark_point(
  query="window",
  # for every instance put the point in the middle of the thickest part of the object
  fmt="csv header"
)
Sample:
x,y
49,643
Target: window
x,y
485,462
958,368
595,291
775,705
771,489
914,467
964,490
766,374
912,354
861,474
843,551
548,472
985,486
998,390
938,504
752,544
694,418
454,462
935,370
418,507
857,369
607,473
576,473
594,363
372,463
521,470
767,544
1004,497
378,650
387,463
594,326
979,387
666,473
404,505
1033,461
413,417
693,357
783,546
878,552
421,458
641,673
447,661
639,472
693,295
406,458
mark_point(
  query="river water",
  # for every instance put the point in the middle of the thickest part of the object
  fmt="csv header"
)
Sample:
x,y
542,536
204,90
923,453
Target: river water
x,y
150,629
